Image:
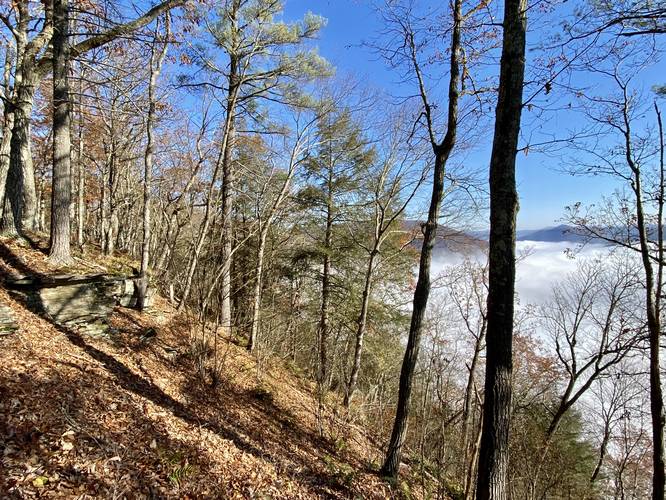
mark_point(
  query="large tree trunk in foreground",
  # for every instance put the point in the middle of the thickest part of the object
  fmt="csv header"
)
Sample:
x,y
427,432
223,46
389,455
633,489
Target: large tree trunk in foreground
x,y
21,194
228,180
59,252
21,197
656,411
494,452
653,296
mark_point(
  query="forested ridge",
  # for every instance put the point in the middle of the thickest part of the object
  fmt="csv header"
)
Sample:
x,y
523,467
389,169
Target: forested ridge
x,y
229,269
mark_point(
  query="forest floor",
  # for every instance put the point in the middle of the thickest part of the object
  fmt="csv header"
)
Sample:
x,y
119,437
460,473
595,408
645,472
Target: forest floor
x,y
124,414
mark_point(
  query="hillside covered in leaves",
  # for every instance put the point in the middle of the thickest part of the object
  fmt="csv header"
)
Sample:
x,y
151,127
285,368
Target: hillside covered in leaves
x,y
129,412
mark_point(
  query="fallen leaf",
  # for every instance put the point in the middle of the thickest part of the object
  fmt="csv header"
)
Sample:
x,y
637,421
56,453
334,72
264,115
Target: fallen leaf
x,y
40,481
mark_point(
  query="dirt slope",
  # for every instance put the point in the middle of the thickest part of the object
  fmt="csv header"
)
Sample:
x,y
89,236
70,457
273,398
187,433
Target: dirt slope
x,y
123,415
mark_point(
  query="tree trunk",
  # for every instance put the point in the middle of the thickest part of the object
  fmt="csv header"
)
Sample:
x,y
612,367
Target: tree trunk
x,y
494,452
360,330
103,204
155,68
654,330
421,294
468,459
7,126
4,155
473,463
80,191
324,326
59,252
442,152
228,200
22,194
109,179
256,298
20,188
654,293
602,452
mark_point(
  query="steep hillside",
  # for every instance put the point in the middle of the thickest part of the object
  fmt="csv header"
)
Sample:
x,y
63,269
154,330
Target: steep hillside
x,y
123,414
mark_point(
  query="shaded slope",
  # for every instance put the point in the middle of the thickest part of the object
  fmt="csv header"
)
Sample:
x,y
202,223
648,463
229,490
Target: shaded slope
x,y
124,414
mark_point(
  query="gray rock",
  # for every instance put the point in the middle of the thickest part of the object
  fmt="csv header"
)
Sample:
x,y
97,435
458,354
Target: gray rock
x,y
77,299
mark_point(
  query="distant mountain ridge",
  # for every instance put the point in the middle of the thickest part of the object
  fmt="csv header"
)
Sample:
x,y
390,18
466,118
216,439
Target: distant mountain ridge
x,y
546,234
551,234
457,240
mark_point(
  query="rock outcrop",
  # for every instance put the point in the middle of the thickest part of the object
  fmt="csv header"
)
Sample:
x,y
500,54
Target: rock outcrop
x,y
71,300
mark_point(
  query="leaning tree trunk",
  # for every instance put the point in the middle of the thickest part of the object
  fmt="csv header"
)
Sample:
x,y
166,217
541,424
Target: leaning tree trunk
x,y
421,294
469,459
442,151
494,452
59,252
602,452
360,328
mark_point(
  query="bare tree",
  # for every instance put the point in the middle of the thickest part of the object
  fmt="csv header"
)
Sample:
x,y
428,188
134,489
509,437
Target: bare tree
x,y
391,194
635,219
33,62
156,60
441,150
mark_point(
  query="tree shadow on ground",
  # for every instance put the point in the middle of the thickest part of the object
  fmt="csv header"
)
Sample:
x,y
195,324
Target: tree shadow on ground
x,y
12,260
270,433
63,425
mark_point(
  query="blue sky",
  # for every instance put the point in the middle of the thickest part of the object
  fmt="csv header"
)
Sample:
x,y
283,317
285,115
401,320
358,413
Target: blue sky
x,y
543,189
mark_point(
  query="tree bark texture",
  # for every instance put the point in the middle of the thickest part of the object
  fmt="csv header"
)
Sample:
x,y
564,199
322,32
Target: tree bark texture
x,y
59,252
494,451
